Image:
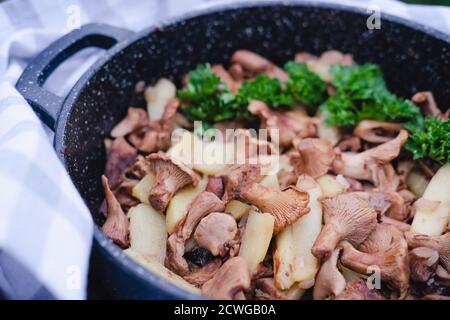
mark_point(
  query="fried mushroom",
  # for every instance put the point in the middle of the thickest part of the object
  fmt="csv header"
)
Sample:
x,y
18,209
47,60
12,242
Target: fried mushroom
x,y
286,206
347,217
171,176
116,224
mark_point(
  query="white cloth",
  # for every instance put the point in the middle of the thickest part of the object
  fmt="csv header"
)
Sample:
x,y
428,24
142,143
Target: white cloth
x,y
44,225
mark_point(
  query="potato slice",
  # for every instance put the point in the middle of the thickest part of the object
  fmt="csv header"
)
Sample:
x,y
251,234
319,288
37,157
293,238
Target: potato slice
x,y
179,203
433,209
283,259
215,158
431,217
256,238
330,186
271,181
148,234
159,269
439,187
142,189
331,134
305,232
158,96
417,183
237,209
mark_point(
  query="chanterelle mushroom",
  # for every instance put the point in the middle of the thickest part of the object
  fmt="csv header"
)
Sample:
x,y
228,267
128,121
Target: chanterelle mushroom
x,y
377,131
226,78
203,204
286,206
157,134
370,165
237,177
256,64
439,243
116,224
215,233
171,175
347,217
314,158
425,100
357,290
386,249
232,277
120,156
423,263
289,124
329,281
136,118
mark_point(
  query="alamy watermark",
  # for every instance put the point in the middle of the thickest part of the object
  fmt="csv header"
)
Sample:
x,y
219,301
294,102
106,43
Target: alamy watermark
x,y
228,147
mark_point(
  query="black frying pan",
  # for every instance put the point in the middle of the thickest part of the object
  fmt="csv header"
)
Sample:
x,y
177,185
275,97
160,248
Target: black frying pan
x,y
412,57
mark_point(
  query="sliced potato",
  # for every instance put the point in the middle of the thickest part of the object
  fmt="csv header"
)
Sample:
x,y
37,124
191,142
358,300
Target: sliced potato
x,y
184,144
305,232
148,234
431,217
283,259
271,181
256,238
237,208
417,183
331,134
158,96
433,209
159,269
179,203
439,187
142,189
330,186
216,157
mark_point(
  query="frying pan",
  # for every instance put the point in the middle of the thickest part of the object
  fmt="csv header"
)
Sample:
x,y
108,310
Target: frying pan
x,y
411,56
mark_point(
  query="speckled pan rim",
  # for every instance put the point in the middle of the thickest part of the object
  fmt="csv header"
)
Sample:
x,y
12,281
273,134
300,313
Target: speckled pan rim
x,y
115,254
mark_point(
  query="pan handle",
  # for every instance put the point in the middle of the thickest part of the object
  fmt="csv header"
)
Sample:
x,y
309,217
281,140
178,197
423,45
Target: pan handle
x,y
46,104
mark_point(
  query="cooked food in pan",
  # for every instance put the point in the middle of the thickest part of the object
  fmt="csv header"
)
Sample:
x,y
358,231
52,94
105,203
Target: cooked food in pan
x,y
311,180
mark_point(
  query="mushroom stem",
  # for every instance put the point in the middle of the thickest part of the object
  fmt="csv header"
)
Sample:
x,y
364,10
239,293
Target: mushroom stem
x,y
327,240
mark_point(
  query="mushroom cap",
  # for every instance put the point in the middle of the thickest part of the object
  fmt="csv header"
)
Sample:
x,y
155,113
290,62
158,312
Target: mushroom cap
x,y
439,243
315,157
232,277
376,131
286,206
287,126
238,177
347,217
136,118
329,280
215,232
357,290
425,100
199,276
121,154
373,164
390,258
423,262
116,224
203,204
171,175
